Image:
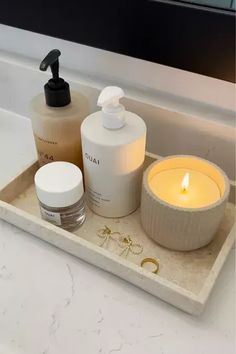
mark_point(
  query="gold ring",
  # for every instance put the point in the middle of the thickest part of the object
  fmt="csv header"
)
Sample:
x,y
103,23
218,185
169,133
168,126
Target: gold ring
x,y
153,261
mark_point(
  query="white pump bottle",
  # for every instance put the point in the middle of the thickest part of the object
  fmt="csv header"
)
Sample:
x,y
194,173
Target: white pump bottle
x,y
113,147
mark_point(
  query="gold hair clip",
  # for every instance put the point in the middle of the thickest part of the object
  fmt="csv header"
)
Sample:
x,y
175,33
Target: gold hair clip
x,y
106,234
129,246
152,261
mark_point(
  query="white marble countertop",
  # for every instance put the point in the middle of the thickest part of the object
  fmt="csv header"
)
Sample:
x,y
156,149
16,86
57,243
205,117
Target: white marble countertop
x,y
53,303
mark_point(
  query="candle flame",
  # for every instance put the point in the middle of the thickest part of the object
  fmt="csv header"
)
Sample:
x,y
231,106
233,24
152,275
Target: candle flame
x,y
185,182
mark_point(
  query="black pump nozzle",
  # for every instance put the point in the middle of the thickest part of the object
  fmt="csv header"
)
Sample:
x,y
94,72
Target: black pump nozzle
x,y
57,91
51,60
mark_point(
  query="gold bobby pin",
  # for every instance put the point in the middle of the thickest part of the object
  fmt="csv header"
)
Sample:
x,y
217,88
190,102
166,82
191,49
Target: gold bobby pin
x,y
106,234
153,261
129,246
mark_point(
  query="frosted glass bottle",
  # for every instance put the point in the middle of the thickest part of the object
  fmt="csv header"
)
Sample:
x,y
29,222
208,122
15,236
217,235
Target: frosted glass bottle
x,y
56,117
113,144
57,129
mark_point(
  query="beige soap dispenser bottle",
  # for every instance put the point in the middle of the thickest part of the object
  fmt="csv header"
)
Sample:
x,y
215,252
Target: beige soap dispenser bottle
x,y
57,116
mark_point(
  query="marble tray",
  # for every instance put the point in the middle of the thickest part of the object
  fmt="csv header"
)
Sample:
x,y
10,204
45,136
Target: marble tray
x,y
185,279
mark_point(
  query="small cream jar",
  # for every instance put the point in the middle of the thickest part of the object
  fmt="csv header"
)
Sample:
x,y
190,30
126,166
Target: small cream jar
x,y
60,191
183,201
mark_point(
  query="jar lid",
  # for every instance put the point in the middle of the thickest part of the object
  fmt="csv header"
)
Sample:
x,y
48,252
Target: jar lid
x,y
59,184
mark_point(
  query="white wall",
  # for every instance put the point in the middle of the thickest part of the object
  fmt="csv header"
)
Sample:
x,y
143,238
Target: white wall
x,y
176,85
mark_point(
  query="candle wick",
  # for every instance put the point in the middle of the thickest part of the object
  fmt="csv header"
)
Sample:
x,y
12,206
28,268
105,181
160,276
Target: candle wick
x,y
184,190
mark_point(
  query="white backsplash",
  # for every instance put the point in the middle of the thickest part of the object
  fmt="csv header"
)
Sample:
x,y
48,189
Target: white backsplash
x,y
198,129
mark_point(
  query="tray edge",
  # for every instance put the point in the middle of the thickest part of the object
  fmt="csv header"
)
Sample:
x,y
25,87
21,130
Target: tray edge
x,y
217,266
187,301
83,249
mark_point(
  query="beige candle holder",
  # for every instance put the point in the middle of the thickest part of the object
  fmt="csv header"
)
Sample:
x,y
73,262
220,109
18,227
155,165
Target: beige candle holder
x,y
180,228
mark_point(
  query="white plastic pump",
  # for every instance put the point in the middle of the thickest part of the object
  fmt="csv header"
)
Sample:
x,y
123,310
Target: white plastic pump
x,y
113,116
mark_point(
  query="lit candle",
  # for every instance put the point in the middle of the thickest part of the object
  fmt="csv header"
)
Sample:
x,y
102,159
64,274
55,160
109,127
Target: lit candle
x,y
183,201
185,188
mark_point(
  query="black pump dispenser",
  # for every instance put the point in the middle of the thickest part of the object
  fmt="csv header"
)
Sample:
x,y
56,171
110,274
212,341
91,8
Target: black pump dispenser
x,y
57,91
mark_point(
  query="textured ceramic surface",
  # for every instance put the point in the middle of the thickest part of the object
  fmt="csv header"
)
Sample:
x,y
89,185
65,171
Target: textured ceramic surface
x,y
178,228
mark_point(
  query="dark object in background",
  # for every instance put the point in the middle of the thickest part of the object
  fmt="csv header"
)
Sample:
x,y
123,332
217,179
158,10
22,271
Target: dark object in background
x,y
195,38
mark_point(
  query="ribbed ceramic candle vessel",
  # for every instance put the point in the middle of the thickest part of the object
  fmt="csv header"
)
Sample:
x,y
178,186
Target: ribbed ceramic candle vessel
x,y
183,216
